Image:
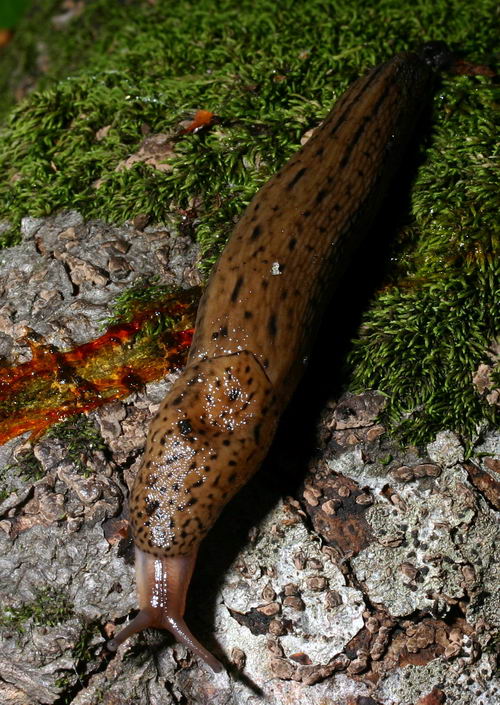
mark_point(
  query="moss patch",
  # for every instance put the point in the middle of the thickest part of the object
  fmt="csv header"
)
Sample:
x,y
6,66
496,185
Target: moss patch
x,y
270,71
81,438
140,296
50,607
27,468
10,12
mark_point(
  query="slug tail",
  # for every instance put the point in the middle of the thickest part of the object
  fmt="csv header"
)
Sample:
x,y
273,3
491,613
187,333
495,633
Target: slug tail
x,y
162,584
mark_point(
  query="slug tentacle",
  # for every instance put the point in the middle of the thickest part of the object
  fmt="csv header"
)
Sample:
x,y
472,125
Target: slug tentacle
x,y
162,585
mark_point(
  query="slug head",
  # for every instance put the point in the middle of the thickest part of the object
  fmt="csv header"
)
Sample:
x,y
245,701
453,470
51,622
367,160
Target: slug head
x,y
162,585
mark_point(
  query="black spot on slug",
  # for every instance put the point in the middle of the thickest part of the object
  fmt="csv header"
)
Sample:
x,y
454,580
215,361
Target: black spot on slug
x,y
185,427
257,251
151,506
296,178
320,195
237,288
272,328
256,232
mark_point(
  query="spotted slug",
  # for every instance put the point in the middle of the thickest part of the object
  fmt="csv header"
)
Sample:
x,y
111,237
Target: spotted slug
x,y
254,328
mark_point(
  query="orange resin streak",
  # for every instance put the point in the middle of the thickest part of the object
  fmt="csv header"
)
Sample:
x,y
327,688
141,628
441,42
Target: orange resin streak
x,y
55,384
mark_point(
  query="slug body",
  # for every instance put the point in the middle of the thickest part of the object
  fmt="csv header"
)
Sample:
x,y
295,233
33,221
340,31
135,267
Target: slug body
x,y
254,328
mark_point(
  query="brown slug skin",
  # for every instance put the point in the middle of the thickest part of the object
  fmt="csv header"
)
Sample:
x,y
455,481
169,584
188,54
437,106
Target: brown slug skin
x,y
255,324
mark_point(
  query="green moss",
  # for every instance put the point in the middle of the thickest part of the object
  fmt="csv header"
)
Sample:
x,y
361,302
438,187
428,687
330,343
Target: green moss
x,y
270,71
27,468
80,437
141,295
136,64
84,663
10,12
81,650
51,606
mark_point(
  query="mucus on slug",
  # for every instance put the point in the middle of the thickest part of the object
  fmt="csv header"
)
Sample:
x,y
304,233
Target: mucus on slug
x,y
254,330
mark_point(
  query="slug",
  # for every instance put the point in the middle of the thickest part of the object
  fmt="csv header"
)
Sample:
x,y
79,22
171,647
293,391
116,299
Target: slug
x,y
254,328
